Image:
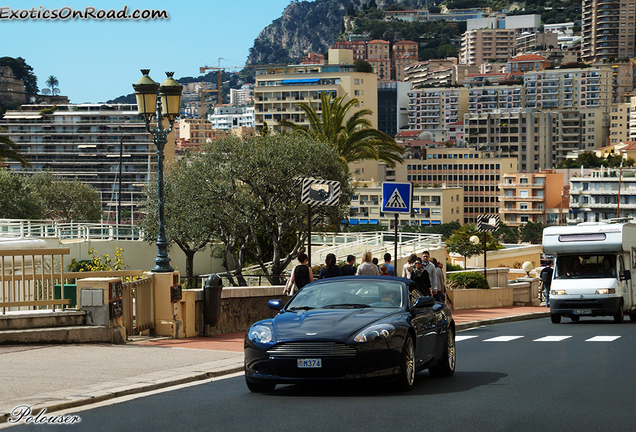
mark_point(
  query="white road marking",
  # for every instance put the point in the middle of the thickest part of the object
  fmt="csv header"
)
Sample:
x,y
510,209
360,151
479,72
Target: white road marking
x,y
552,339
461,338
503,339
602,339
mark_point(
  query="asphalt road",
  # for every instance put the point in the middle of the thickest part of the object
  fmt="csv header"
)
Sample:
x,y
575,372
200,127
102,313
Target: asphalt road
x,y
523,376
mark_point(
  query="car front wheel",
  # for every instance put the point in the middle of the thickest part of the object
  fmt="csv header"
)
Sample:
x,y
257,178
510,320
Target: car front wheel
x,y
407,365
556,318
446,367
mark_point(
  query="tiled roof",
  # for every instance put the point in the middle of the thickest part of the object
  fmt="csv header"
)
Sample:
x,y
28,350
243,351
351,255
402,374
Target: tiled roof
x,y
528,57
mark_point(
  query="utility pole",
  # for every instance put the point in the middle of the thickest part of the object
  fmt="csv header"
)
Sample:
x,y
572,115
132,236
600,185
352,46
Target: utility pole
x,y
620,177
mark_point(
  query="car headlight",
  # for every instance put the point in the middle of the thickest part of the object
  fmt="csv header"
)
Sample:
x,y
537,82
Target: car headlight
x,y
375,331
558,292
606,291
261,334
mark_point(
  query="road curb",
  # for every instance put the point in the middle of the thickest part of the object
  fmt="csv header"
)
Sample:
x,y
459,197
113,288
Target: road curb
x,y
59,406
491,321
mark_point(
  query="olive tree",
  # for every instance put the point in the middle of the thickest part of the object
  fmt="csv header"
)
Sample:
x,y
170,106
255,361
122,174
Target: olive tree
x,y
245,193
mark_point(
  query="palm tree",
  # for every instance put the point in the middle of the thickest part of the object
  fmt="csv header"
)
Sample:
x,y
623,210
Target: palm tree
x,y
9,150
355,139
53,82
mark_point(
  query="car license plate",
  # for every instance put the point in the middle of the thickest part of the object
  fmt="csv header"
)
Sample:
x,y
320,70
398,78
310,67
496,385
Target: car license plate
x,y
309,363
582,311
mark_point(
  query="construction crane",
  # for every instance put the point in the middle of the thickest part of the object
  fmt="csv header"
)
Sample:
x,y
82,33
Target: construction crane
x,y
219,85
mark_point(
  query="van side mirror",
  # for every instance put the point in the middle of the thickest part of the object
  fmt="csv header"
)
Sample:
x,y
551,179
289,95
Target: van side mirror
x,y
627,275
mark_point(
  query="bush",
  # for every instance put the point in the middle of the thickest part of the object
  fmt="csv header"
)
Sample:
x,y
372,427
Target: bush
x,y
453,267
466,280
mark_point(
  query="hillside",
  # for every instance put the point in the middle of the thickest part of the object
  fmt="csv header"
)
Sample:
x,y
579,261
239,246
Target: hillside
x,y
311,26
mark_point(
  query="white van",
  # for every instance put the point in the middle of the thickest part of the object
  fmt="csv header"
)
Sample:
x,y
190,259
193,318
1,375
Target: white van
x,y
592,270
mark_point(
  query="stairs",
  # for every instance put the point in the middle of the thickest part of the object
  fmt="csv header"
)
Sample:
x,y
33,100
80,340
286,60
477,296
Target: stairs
x,y
46,327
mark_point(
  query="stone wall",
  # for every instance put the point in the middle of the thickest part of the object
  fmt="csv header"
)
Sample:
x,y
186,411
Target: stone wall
x,y
11,89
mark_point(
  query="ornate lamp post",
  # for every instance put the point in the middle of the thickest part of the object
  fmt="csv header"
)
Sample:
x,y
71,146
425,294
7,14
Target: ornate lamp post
x,y
160,100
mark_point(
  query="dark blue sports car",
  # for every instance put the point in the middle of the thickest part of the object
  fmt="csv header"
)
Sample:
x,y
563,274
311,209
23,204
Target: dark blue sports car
x,y
352,327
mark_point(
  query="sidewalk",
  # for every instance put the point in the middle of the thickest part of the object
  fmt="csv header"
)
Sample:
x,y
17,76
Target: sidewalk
x,y
59,377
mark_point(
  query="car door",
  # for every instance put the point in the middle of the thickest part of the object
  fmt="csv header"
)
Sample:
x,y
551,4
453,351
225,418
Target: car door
x,y
424,322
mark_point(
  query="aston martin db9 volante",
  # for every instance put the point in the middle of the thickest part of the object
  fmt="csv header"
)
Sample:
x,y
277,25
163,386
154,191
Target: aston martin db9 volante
x,y
352,327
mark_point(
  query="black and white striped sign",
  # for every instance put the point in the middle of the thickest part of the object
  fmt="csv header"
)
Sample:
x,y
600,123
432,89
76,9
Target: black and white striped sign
x,y
487,223
320,192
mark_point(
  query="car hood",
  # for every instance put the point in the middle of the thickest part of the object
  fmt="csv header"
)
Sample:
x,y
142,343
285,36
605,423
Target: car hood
x,y
324,324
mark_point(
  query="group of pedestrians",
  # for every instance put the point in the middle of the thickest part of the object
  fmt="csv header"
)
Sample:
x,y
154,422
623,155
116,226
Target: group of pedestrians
x,y
426,272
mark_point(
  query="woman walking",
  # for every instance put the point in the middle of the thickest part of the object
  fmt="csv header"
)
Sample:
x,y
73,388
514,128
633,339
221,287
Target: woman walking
x,y
367,267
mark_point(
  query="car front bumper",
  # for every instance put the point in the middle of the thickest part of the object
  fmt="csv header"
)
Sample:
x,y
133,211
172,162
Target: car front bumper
x,y
596,306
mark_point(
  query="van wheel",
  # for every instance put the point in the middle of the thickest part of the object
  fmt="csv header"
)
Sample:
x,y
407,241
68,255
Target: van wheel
x,y
556,318
632,316
618,316
575,318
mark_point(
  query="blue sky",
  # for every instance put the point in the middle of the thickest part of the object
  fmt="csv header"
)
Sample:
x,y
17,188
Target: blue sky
x,y
95,60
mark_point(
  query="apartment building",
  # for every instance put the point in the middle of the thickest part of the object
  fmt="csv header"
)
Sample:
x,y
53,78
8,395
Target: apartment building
x,y
527,135
484,45
228,117
433,109
620,123
393,105
497,97
533,197
605,194
433,72
526,63
431,206
244,95
403,54
527,42
478,174
279,89
359,48
83,141
447,15
519,23
379,56
607,30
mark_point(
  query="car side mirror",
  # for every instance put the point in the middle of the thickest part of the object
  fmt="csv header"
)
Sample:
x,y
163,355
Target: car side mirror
x,y
423,302
275,304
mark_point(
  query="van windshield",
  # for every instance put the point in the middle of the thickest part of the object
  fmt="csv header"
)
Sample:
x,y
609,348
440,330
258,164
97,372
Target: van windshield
x,y
585,266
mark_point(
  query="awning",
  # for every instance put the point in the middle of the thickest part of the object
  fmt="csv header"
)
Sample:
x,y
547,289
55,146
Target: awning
x,y
300,81
374,222
364,221
436,222
353,221
22,115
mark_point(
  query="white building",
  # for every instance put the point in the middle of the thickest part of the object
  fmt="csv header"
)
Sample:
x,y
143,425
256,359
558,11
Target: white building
x,y
232,117
596,197
244,95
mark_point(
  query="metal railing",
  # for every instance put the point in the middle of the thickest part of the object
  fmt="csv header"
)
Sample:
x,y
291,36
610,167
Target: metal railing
x,y
67,231
138,305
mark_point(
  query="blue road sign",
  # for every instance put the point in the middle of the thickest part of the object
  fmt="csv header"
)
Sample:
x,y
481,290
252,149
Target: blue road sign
x,y
396,197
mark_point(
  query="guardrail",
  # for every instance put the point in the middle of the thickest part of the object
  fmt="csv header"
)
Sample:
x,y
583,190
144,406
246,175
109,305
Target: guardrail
x,y
67,231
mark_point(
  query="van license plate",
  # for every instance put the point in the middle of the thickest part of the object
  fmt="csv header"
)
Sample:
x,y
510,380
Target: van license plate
x,y
582,311
309,363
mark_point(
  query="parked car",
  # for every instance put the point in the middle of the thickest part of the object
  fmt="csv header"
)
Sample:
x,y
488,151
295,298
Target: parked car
x,y
349,328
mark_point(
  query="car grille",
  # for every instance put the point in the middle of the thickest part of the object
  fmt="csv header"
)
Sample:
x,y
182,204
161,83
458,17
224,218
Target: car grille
x,y
573,304
311,349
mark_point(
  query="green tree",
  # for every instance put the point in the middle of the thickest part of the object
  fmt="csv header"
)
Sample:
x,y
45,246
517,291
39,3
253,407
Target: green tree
x,y
354,139
363,66
459,242
53,82
532,232
248,193
9,150
18,199
189,200
508,234
66,200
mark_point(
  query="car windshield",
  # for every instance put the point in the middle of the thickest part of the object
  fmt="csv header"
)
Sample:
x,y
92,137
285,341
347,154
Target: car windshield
x,y
349,294
585,266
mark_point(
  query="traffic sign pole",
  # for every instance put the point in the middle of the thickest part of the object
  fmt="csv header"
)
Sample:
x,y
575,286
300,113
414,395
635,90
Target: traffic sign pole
x,y
395,241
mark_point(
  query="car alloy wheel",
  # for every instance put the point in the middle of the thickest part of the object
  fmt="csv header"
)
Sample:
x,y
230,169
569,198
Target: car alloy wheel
x,y
407,367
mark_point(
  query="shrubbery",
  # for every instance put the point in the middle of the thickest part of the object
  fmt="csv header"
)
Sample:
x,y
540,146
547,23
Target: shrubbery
x,y
466,280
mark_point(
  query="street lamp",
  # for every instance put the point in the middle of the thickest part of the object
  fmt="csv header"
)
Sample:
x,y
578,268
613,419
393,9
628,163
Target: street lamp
x,y
160,100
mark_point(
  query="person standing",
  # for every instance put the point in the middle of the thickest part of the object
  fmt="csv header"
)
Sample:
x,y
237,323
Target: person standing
x,y
349,269
389,266
330,269
546,279
421,278
301,274
430,268
367,267
408,267
439,274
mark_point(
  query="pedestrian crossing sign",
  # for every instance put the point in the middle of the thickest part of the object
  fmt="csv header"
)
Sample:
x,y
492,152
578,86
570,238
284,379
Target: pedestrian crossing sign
x,y
396,197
